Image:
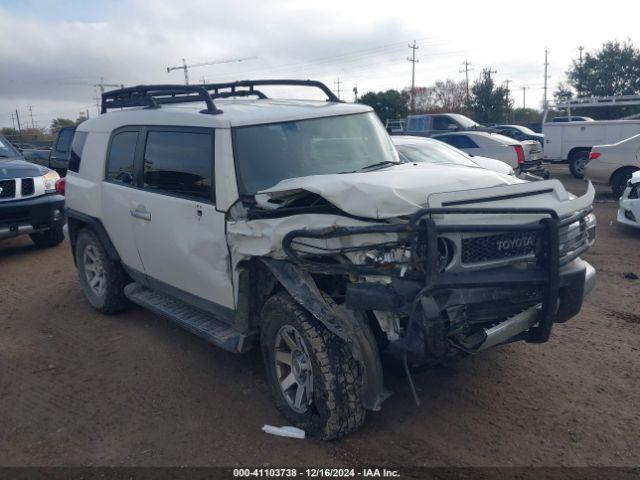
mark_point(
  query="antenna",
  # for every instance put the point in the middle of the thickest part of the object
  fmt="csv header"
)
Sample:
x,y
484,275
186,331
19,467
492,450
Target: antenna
x,y
186,67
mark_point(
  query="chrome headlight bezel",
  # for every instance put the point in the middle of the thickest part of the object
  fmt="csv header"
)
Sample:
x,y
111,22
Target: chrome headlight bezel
x,y
49,179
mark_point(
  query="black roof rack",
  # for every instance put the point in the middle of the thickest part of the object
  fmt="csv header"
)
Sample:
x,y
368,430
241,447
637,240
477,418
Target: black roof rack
x,y
152,96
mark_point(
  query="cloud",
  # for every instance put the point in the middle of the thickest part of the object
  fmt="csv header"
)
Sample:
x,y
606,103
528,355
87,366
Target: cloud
x,y
53,61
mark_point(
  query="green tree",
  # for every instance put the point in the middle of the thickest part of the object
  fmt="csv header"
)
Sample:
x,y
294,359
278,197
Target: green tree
x,y
9,132
612,70
490,104
526,115
391,104
59,123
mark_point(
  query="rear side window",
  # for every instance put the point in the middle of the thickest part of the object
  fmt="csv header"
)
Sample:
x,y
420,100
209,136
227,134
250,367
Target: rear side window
x,y
64,139
76,151
460,141
441,123
121,160
179,163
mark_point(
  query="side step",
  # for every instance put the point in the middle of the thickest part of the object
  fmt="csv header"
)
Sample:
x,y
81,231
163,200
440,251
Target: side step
x,y
195,321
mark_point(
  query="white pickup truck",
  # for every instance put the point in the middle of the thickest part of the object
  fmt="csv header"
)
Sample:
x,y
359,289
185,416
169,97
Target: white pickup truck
x,y
572,141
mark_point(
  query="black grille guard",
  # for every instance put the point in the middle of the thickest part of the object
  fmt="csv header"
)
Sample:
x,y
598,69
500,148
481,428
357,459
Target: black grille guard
x,y
425,231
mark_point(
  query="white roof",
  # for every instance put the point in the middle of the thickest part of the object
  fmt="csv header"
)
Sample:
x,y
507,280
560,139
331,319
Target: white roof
x,y
235,112
411,139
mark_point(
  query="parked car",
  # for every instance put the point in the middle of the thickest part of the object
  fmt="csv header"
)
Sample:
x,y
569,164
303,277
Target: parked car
x,y
572,118
629,211
520,133
421,149
57,158
521,156
29,202
427,125
572,141
614,164
294,226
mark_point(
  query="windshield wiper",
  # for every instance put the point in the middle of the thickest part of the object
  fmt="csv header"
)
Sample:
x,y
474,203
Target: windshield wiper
x,y
379,164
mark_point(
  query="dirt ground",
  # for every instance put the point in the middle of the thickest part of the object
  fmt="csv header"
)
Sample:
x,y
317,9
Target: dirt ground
x,y
79,388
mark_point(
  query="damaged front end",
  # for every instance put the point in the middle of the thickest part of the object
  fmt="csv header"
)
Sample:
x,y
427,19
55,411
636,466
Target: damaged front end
x,y
450,280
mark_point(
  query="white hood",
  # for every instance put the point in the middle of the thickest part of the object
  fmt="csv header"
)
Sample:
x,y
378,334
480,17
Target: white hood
x,y
392,192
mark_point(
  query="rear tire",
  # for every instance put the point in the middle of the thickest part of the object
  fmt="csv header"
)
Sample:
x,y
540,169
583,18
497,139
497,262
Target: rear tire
x,y
577,162
102,279
49,238
332,408
619,181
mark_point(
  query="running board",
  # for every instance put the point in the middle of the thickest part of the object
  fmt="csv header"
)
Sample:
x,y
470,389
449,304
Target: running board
x,y
196,321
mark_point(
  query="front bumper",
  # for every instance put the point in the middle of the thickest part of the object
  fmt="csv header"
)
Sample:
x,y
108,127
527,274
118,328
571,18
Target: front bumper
x,y
33,215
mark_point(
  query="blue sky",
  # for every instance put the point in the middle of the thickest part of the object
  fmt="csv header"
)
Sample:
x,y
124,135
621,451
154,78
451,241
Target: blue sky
x,y
52,53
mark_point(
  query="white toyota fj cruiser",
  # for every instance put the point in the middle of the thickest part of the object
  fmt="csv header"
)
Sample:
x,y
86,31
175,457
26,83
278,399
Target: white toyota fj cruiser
x,y
293,224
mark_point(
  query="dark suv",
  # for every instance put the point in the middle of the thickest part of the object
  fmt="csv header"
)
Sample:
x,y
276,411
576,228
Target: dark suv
x,y
29,202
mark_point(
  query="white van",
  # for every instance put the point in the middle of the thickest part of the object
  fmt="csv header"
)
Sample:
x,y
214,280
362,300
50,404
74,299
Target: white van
x,y
572,141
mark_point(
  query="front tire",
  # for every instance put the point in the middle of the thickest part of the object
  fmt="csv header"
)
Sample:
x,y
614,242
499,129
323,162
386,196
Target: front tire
x,y
49,238
102,279
578,162
314,379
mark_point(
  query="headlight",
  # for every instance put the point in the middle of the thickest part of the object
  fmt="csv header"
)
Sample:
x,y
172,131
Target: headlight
x,y
50,179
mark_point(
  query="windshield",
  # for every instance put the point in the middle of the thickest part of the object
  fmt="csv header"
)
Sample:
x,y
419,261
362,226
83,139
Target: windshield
x,y
526,130
435,152
267,154
466,122
6,150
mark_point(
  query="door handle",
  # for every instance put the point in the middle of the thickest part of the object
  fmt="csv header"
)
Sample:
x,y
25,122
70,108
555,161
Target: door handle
x,y
141,215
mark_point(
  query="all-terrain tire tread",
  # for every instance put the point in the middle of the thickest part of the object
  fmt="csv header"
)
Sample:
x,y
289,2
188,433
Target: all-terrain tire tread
x,y
339,371
115,300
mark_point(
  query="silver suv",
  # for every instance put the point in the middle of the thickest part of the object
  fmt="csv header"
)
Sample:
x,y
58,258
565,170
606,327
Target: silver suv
x,y
292,224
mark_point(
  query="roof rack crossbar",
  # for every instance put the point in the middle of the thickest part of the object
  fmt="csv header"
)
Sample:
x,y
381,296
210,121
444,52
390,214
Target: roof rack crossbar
x,y
153,96
250,84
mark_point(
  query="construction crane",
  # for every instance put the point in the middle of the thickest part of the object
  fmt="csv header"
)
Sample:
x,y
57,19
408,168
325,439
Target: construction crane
x,y
186,67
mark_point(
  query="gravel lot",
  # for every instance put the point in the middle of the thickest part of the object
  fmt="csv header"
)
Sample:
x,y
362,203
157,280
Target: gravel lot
x,y
79,388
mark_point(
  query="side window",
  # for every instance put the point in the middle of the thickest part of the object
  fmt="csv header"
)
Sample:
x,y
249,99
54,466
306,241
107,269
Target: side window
x,y
462,142
76,151
122,153
65,136
179,163
441,123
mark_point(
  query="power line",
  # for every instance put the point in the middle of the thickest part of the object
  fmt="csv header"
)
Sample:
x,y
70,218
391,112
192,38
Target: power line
x,y
413,61
466,71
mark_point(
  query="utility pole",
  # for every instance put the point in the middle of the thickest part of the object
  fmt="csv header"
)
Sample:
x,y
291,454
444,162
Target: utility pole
x,y
355,94
413,61
31,115
337,84
524,96
98,107
580,48
508,99
546,76
101,85
489,72
466,71
18,120
13,121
